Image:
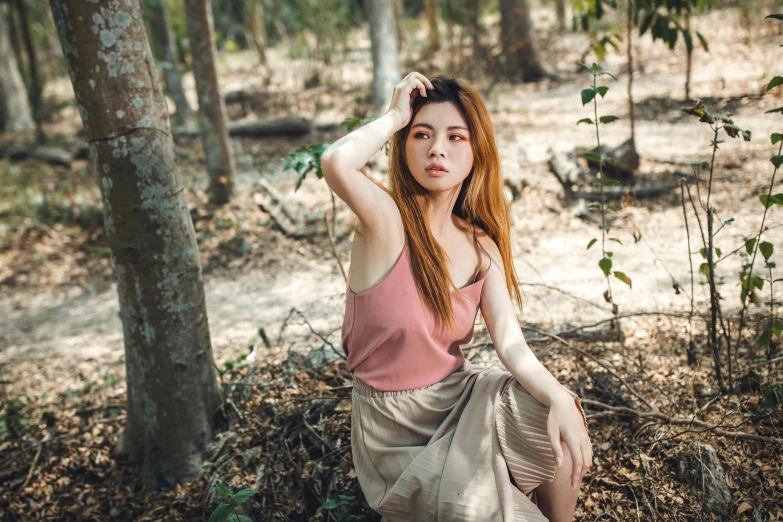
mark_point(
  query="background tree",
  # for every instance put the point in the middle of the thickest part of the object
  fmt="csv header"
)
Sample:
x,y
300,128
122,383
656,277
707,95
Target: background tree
x,y
254,27
171,381
166,54
15,113
35,84
211,106
523,61
385,63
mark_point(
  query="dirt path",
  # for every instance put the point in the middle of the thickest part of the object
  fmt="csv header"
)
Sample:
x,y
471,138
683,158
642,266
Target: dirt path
x,y
80,328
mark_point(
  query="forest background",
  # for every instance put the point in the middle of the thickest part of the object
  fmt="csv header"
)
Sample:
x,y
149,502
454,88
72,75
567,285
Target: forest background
x,y
139,381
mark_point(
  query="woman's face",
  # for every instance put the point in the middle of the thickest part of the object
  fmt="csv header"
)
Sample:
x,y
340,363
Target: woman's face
x,y
439,135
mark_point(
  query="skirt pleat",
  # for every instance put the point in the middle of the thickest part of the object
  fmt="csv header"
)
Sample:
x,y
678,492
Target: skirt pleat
x,y
447,452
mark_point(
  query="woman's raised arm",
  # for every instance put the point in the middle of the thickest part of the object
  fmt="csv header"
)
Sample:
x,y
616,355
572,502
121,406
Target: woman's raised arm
x,y
342,162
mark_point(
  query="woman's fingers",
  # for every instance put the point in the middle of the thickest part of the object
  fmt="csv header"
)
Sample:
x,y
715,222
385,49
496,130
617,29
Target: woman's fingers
x,y
577,461
554,440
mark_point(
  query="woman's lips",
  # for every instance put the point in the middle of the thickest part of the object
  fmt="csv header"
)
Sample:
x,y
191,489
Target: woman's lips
x,y
436,173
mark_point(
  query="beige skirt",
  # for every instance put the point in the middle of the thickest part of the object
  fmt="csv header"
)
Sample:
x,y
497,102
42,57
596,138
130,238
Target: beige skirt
x,y
472,447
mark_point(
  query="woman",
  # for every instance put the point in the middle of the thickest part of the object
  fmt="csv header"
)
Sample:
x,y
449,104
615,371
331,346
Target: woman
x,y
434,437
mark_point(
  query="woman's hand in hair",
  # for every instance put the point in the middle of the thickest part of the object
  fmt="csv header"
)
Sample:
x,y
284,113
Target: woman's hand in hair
x,y
412,85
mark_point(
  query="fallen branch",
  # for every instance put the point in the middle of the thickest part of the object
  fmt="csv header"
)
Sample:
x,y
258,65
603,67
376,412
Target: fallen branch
x,y
655,414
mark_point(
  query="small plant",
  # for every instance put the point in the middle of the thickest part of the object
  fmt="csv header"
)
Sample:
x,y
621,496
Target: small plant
x,y
716,121
605,263
227,510
339,507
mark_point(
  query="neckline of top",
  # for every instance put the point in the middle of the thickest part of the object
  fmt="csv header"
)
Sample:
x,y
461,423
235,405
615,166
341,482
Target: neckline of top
x,y
397,262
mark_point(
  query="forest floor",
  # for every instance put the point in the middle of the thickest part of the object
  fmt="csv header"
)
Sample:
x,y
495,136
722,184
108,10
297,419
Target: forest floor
x,y
61,343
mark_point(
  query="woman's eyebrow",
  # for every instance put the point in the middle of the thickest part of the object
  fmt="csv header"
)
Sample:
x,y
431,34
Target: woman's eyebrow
x,y
428,126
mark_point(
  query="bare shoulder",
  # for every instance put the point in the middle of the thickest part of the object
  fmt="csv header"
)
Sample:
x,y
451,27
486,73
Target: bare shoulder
x,y
490,246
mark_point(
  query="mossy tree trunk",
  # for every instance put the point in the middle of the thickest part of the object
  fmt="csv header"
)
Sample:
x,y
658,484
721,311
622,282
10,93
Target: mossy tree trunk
x,y
173,392
15,113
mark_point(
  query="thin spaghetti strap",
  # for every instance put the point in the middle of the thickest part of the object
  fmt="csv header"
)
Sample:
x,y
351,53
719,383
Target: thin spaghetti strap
x,y
482,247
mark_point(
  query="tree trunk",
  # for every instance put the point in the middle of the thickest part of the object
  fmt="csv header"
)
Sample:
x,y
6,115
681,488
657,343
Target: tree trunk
x,y
36,87
431,12
385,63
399,21
254,27
688,65
629,52
518,40
560,11
211,107
172,385
167,54
15,113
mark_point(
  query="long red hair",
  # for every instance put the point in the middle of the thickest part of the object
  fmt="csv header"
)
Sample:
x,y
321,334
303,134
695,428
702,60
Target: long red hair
x,y
481,199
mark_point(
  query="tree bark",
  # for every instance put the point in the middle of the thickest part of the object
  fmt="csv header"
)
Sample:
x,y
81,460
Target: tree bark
x,y
399,21
518,41
254,27
211,107
15,113
385,62
431,12
172,385
36,87
164,36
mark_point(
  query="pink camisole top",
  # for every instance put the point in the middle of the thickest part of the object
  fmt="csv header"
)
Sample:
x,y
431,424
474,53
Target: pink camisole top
x,y
390,337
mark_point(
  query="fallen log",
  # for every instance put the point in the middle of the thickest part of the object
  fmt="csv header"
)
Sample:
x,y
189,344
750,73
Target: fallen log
x,y
256,128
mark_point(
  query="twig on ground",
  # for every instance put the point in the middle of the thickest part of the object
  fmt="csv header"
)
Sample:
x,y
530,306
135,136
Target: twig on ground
x,y
678,422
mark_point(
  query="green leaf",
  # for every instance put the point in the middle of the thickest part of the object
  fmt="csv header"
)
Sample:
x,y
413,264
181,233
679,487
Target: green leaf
x,y
588,95
779,109
615,240
766,249
764,338
586,120
220,514
594,206
589,156
777,161
610,182
591,243
776,137
596,67
704,268
608,119
602,73
775,16
776,330
239,518
611,207
242,496
624,278
774,82
703,42
223,491
750,243
581,64
766,201
606,265
773,396
602,90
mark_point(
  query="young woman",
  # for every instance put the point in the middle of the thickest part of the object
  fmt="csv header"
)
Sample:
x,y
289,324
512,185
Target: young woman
x,y
434,437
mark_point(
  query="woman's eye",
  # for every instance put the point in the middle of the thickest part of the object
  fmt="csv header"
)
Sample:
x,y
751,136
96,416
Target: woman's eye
x,y
452,136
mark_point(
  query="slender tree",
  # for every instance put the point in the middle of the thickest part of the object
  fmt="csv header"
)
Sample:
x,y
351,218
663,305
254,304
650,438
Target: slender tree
x,y
35,83
211,106
173,392
431,12
518,39
160,24
15,113
385,62
254,27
